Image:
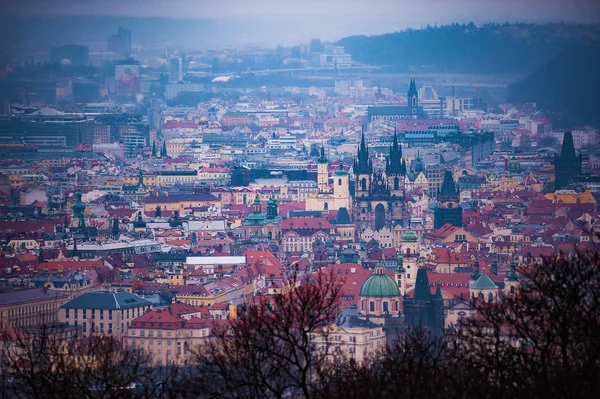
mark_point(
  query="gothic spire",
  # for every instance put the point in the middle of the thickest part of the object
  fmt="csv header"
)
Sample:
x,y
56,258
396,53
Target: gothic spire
x,y
395,164
362,164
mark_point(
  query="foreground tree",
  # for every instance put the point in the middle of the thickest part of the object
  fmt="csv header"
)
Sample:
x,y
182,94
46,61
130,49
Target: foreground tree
x,y
270,350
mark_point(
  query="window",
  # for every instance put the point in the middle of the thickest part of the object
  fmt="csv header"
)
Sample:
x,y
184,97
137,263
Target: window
x,y
372,306
385,307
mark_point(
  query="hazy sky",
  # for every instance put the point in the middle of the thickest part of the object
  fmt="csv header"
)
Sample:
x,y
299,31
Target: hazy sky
x,y
399,10
289,21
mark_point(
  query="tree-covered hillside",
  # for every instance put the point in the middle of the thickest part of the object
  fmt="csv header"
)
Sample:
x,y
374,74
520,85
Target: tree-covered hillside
x,y
498,49
569,83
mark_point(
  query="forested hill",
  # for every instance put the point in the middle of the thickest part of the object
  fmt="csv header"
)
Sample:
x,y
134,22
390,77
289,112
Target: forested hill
x,y
569,83
494,49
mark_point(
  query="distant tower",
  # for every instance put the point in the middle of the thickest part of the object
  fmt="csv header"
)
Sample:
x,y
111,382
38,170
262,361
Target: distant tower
x,y
115,229
448,209
175,69
567,166
78,209
363,170
413,97
341,183
323,173
400,275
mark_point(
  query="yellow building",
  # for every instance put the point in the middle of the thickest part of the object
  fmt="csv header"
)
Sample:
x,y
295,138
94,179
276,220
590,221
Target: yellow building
x,y
149,180
103,312
180,202
571,197
23,308
326,198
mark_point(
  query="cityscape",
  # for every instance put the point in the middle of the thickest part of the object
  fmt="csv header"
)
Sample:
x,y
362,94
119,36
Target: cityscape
x,y
412,213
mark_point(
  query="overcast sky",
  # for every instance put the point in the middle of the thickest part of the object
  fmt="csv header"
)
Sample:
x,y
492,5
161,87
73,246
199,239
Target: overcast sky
x,y
399,10
293,20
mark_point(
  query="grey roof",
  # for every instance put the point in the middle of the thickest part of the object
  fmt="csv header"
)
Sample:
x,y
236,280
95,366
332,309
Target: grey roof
x,y
484,283
342,216
32,295
106,300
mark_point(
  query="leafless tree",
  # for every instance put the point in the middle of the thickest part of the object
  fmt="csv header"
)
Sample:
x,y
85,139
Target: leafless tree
x,y
269,351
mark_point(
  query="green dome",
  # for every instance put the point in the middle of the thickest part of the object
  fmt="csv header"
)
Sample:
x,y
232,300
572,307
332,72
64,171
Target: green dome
x,y
409,236
255,218
378,285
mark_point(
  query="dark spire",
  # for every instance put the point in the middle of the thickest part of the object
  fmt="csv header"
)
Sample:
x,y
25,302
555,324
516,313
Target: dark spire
x,y
475,275
363,163
158,212
395,165
421,291
413,95
448,186
568,147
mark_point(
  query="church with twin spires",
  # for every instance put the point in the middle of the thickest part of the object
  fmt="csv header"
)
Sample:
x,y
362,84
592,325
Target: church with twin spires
x,y
379,197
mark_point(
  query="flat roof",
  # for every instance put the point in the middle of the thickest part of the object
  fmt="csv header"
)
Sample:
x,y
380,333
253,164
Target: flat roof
x,y
215,260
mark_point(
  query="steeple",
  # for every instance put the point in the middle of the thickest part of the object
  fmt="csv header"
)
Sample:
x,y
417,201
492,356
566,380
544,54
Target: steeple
x,y
448,186
567,150
363,165
395,166
158,212
567,166
475,275
413,95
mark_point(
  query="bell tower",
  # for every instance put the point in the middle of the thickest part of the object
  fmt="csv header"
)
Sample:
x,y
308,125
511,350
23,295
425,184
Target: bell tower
x,y
323,173
363,171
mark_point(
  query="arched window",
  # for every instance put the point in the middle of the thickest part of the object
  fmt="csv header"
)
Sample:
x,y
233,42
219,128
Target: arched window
x,y
490,297
512,289
325,206
339,182
480,296
396,183
363,184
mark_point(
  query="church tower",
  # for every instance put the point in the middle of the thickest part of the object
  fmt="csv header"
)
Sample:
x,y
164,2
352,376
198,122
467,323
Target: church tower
x,y
395,171
341,189
413,98
363,171
567,166
323,173
448,209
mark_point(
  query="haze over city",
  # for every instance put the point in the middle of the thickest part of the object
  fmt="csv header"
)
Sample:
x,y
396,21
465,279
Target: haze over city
x,y
299,199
